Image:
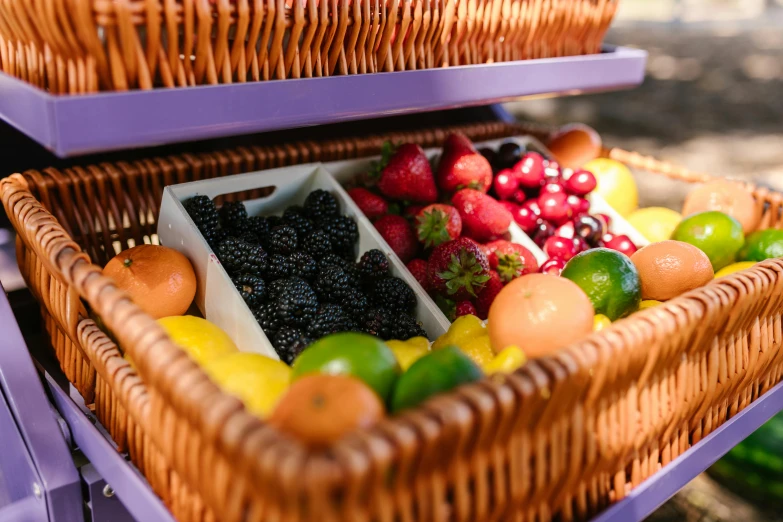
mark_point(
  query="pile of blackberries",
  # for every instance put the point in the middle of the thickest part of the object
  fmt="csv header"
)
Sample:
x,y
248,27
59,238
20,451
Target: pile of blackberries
x,y
297,272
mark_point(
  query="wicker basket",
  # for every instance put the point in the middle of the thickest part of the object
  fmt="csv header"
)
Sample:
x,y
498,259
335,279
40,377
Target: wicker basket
x,y
563,436
78,46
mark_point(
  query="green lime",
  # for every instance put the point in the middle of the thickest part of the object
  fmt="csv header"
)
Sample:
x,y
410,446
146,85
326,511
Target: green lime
x,y
716,234
359,355
761,245
609,279
437,372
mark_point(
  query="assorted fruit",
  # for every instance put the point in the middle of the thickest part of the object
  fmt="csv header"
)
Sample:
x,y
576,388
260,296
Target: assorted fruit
x,y
298,275
351,349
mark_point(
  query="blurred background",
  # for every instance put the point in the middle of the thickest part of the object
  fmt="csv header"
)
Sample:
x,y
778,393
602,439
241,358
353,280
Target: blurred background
x,y
712,101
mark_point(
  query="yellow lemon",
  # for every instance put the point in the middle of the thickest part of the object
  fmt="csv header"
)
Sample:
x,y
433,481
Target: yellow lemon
x,y
600,322
257,381
202,340
464,328
408,352
508,360
649,303
478,349
734,267
655,223
615,184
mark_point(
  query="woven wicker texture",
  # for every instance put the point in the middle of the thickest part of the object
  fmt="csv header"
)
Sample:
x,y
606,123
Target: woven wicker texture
x,y
79,46
564,436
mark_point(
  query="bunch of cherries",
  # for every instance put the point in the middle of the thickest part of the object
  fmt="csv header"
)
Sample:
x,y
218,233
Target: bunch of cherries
x,y
550,204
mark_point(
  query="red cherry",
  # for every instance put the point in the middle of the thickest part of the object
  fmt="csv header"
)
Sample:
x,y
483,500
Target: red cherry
x,y
553,188
566,230
533,205
525,218
554,208
552,266
581,183
543,232
607,219
505,184
580,244
530,170
622,244
560,247
520,196
578,205
605,239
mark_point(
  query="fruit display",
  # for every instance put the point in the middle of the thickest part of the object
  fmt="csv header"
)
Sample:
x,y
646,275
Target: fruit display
x,y
298,274
158,279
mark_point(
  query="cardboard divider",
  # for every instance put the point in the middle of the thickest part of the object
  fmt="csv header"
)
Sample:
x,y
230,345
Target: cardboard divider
x,y
217,298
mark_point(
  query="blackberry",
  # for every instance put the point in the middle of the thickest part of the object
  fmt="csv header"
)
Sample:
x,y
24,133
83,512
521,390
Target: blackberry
x,y
214,237
266,316
289,343
333,284
303,265
317,244
274,221
404,327
252,289
356,303
258,226
240,257
380,323
321,204
275,289
373,265
395,294
282,240
296,218
343,233
233,215
203,212
297,303
278,267
349,267
329,319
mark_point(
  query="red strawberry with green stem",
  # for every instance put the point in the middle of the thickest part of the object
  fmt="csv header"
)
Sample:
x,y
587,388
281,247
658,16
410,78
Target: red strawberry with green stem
x,y
404,174
465,308
462,166
510,260
372,205
436,224
483,217
399,234
458,269
491,289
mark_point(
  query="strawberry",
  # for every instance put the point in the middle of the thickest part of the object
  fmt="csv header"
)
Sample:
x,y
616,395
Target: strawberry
x,y
483,218
458,269
510,260
404,174
447,306
411,211
418,267
461,166
436,224
399,235
372,205
484,300
465,308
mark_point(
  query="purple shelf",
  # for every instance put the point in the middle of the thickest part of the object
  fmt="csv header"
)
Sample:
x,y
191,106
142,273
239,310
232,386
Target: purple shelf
x,y
74,125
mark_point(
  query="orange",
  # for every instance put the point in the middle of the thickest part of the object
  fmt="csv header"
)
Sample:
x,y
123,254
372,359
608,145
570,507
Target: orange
x,y
670,268
319,409
724,196
540,314
158,279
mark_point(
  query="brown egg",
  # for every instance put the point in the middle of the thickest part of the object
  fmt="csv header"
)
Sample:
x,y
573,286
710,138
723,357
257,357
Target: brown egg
x,y
574,145
670,268
724,196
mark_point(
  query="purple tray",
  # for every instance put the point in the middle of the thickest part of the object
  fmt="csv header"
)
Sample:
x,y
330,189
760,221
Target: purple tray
x,y
73,125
